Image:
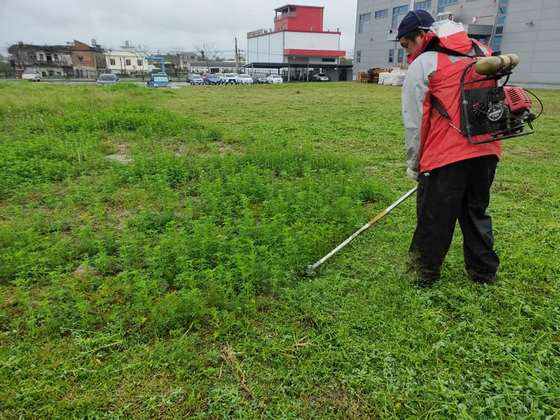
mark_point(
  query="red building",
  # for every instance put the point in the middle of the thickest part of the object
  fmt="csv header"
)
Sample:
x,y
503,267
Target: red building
x,y
299,18
298,46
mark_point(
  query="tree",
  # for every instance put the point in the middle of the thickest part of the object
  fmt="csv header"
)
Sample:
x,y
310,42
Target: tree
x,y
5,67
207,52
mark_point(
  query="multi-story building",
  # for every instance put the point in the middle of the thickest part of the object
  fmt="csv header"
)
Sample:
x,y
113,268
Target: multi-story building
x,y
84,60
297,45
47,60
127,62
528,28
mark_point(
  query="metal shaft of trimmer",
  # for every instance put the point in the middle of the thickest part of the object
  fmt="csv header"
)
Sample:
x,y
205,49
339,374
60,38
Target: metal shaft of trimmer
x,y
380,216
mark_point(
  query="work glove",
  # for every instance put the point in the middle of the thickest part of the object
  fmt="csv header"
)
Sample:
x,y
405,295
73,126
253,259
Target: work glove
x,y
412,174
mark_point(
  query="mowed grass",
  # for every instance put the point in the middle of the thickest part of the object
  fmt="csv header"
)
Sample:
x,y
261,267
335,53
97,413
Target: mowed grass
x,y
151,245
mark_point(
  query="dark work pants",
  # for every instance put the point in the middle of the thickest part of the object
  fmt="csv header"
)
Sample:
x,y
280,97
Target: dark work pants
x,y
459,191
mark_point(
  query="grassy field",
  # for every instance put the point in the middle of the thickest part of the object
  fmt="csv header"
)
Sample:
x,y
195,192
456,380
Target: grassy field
x,y
150,245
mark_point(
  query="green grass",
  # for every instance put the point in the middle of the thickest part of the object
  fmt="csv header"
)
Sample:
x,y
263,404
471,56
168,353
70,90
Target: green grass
x,y
169,286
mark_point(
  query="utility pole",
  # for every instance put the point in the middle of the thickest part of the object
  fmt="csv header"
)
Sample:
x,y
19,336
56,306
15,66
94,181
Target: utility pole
x,y
236,56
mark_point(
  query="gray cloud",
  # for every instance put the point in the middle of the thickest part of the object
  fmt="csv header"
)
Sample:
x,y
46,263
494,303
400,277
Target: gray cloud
x,y
159,24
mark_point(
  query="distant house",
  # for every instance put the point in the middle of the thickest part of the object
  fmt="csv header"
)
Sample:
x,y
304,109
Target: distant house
x,y
127,62
179,62
47,60
84,60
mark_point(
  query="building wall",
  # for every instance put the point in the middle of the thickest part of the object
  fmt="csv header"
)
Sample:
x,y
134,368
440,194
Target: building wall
x,y
48,71
484,11
267,48
62,59
312,41
117,62
531,30
274,47
372,47
83,60
303,19
83,55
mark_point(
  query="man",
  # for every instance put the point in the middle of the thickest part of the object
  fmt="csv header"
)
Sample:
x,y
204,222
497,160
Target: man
x,y
454,177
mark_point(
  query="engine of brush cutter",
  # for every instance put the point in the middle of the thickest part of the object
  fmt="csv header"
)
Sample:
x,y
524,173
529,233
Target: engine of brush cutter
x,y
519,103
499,112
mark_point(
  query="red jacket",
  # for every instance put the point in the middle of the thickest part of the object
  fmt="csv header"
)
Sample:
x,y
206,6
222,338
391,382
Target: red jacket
x,y
431,141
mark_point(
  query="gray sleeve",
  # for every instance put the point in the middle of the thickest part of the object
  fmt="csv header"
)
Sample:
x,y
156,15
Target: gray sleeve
x,y
414,91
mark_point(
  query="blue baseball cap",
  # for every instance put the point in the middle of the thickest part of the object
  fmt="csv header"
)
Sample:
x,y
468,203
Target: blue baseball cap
x,y
415,19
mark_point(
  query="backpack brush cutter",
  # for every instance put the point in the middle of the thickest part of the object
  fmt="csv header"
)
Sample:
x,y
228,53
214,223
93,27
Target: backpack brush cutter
x,y
500,112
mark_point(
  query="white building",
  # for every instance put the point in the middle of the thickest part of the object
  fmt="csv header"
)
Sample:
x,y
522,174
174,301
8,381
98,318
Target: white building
x,y
127,62
298,45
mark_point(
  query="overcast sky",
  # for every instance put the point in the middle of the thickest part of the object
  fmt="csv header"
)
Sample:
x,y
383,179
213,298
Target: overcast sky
x,y
157,24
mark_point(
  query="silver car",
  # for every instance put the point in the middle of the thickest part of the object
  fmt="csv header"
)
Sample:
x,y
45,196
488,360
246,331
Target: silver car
x,y
34,76
244,79
107,79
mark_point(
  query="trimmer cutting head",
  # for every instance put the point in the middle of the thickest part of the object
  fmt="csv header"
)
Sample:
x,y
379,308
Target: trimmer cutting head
x,y
310,271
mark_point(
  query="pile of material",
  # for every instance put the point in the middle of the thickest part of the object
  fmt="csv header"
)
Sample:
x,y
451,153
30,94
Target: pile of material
x,y
371,76
394,77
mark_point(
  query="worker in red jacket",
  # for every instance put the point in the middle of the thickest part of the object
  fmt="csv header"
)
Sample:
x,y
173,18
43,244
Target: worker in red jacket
x,y
454,176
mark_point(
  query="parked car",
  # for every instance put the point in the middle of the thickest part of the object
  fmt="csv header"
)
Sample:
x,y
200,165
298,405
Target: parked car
x,y
320,77
231,78
33,76
107,79
274,79
195,79
244,79
213,79
158,80
262,80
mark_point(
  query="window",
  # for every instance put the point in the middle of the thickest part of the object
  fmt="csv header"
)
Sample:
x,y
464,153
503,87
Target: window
x,y
497,43
381,14
400,57
442,4
391,56
139,62
398,12
364,19
501,17
358,56
127,62
55,57
41,57
423,5
112,61
329,60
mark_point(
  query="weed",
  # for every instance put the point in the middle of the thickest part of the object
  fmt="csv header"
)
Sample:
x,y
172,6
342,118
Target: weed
x,y
167,286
